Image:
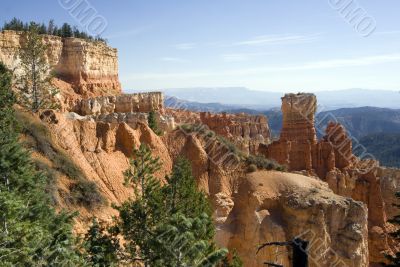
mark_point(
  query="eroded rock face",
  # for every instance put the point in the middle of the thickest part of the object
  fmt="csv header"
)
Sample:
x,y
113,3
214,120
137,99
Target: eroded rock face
x,y
91,67
332,160
277,207
246,131
125,103
261,207
298,112
390,184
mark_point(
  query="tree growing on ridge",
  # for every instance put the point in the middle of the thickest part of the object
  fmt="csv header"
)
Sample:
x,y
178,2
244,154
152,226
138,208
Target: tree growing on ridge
x,y
152,121
101,246
34,84
32,234
167,225
139,217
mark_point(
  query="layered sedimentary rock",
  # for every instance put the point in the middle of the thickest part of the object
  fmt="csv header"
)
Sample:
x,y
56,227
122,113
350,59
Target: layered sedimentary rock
x,y
298,112
128,108
101,146
249,209
332,160
184,116
140,102
278,207
298,147
101,151
247,132
11,42
91,67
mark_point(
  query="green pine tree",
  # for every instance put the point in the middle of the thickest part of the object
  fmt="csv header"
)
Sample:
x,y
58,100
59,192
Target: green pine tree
x,y
182,195
32,234
231,260
34,84
176,212
180,242
152,121
139,217
395,259
101,246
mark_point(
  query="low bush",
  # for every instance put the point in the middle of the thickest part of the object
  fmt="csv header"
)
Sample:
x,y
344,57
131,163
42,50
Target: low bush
x,y
262,162
251,168
85,193
61,163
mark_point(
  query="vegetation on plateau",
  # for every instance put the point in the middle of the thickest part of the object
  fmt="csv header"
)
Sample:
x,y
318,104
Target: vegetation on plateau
x,y
65,30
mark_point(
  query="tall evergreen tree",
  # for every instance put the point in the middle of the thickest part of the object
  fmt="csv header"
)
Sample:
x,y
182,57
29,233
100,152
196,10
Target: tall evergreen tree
x,y
51,27
176,212
182,194
152,121
34,84
32,234
101,246
66,30
180,242
140,216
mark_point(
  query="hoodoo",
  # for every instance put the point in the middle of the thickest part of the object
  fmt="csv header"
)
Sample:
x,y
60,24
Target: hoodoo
x,y
333,161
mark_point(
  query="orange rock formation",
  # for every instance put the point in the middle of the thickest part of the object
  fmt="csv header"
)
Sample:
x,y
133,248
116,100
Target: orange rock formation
x,y
90,67
332,160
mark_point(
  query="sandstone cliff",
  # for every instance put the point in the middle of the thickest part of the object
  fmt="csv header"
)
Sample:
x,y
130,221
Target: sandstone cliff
x,y
332,160
140,102
249,209
277,207
246,131
90,67
98,129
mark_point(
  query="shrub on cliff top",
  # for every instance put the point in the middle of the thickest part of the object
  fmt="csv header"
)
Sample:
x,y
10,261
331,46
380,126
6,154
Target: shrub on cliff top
x,y
263,163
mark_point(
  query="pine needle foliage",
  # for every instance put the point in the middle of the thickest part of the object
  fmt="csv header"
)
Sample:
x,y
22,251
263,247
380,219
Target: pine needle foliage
x,y
32,233
167,225
35,90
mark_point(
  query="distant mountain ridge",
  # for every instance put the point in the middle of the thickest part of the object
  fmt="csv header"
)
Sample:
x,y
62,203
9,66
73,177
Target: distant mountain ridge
x,y
263,100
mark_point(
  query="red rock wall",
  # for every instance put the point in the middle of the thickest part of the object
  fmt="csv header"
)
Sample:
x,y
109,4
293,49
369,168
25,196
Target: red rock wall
x,y
90,67
247,132
332,160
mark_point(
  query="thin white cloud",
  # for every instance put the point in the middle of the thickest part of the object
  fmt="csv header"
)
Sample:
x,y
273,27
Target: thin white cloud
x,y
240,57
277,39
315,65
173,59
128,33
386,32
185,46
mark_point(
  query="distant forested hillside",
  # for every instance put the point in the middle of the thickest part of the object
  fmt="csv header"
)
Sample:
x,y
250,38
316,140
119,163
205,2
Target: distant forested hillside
x,y
366,120
385,148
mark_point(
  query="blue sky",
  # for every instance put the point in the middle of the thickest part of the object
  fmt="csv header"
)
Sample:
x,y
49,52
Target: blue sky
x,y
270,45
